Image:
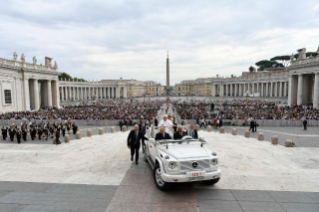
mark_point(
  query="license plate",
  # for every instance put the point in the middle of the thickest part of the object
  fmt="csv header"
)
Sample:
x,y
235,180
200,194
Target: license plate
x,y
196,174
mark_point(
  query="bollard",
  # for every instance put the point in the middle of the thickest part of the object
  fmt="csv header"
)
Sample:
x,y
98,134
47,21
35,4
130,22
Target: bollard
x,y
209,128
234,131
247,134
54,140
112,129
124,128
222,130
78,135
197,127
66,138
89,133
274,140
261,136
101,131
289,143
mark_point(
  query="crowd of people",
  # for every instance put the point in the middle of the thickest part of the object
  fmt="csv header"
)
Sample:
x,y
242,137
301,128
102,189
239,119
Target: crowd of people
x,y
39,131
91,111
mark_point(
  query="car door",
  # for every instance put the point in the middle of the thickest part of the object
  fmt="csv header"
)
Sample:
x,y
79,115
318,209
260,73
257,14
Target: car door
x,y
152,149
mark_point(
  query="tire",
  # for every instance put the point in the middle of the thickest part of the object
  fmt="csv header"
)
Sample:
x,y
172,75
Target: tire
x,y
160,184
211,182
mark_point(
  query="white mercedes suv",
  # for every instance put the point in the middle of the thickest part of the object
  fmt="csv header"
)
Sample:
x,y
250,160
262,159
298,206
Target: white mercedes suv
x,y
184,160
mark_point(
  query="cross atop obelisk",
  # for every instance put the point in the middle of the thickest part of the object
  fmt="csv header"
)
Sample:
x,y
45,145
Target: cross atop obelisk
x,y
167,78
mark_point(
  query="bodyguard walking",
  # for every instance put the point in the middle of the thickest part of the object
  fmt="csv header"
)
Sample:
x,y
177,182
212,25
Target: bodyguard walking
x,y
133,142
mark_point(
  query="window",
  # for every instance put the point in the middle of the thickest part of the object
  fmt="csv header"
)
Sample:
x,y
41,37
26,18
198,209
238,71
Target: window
x,y
7,97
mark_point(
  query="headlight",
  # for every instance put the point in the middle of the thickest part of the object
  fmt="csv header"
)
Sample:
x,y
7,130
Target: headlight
x,y
214,161
172,165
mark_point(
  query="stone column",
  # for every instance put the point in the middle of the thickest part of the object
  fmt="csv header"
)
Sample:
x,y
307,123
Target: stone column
x,y
290,99
285,89
62,93
235,90
240,88
262,89
271,87
55,93
226,89
276,90
267,89
73,92
49,95
231,90
258,89
220,90
36,94
118,92
78,92
213,89
300,94
125,92
280,89
316,91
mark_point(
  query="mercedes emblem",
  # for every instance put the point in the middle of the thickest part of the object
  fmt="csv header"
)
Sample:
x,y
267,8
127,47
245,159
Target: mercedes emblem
x,y
194,164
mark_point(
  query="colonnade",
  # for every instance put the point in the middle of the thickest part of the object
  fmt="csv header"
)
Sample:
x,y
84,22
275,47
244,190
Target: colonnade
x,y
264,89
89,92
304,89
42,93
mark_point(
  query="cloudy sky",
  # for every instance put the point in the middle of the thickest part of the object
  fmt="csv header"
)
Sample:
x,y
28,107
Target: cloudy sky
x,y
129,39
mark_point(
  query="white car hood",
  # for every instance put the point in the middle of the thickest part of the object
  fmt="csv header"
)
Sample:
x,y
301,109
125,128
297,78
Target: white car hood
x,y
182,151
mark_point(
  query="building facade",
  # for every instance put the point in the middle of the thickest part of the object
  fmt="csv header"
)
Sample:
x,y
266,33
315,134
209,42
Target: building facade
x,y
107,89
261,84
304,79
197,87
27,86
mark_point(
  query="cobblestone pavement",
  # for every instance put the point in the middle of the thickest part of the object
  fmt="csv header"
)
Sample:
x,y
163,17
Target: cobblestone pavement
x,y
138,192
36,197
301,138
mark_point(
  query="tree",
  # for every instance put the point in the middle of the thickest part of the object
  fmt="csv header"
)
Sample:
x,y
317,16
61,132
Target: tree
x,y
79,79
265,64
65,76
284,60
252,69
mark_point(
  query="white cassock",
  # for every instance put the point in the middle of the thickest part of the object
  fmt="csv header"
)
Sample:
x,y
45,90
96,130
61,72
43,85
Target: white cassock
x,y
168,126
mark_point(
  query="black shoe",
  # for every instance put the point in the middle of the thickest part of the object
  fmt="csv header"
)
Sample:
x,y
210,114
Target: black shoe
x,y
136,162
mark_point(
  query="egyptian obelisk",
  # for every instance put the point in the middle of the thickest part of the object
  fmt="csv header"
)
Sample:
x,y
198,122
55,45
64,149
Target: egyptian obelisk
x,y
167,79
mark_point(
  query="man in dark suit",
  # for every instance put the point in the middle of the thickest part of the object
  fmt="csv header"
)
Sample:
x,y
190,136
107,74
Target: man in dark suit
x,y
179,134
4,132
193,132
133,142
252,125
57,137
162,135
155,122
143,126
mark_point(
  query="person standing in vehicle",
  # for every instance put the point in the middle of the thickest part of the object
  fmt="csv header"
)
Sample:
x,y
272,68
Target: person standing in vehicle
x,y
193,132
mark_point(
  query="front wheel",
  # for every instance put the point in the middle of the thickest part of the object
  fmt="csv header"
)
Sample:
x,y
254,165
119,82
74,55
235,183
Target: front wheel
x,y
211,182
164,186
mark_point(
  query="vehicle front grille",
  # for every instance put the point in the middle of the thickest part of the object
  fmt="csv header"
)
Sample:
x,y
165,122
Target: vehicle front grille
x,y
187,165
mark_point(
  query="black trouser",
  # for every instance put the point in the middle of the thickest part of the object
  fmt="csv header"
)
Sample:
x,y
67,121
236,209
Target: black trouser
x,y
4,137
57,140
305,127
135,150
202,125
11,138
251,128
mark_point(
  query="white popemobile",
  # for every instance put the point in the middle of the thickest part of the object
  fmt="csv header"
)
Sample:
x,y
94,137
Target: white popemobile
x,y
184,160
